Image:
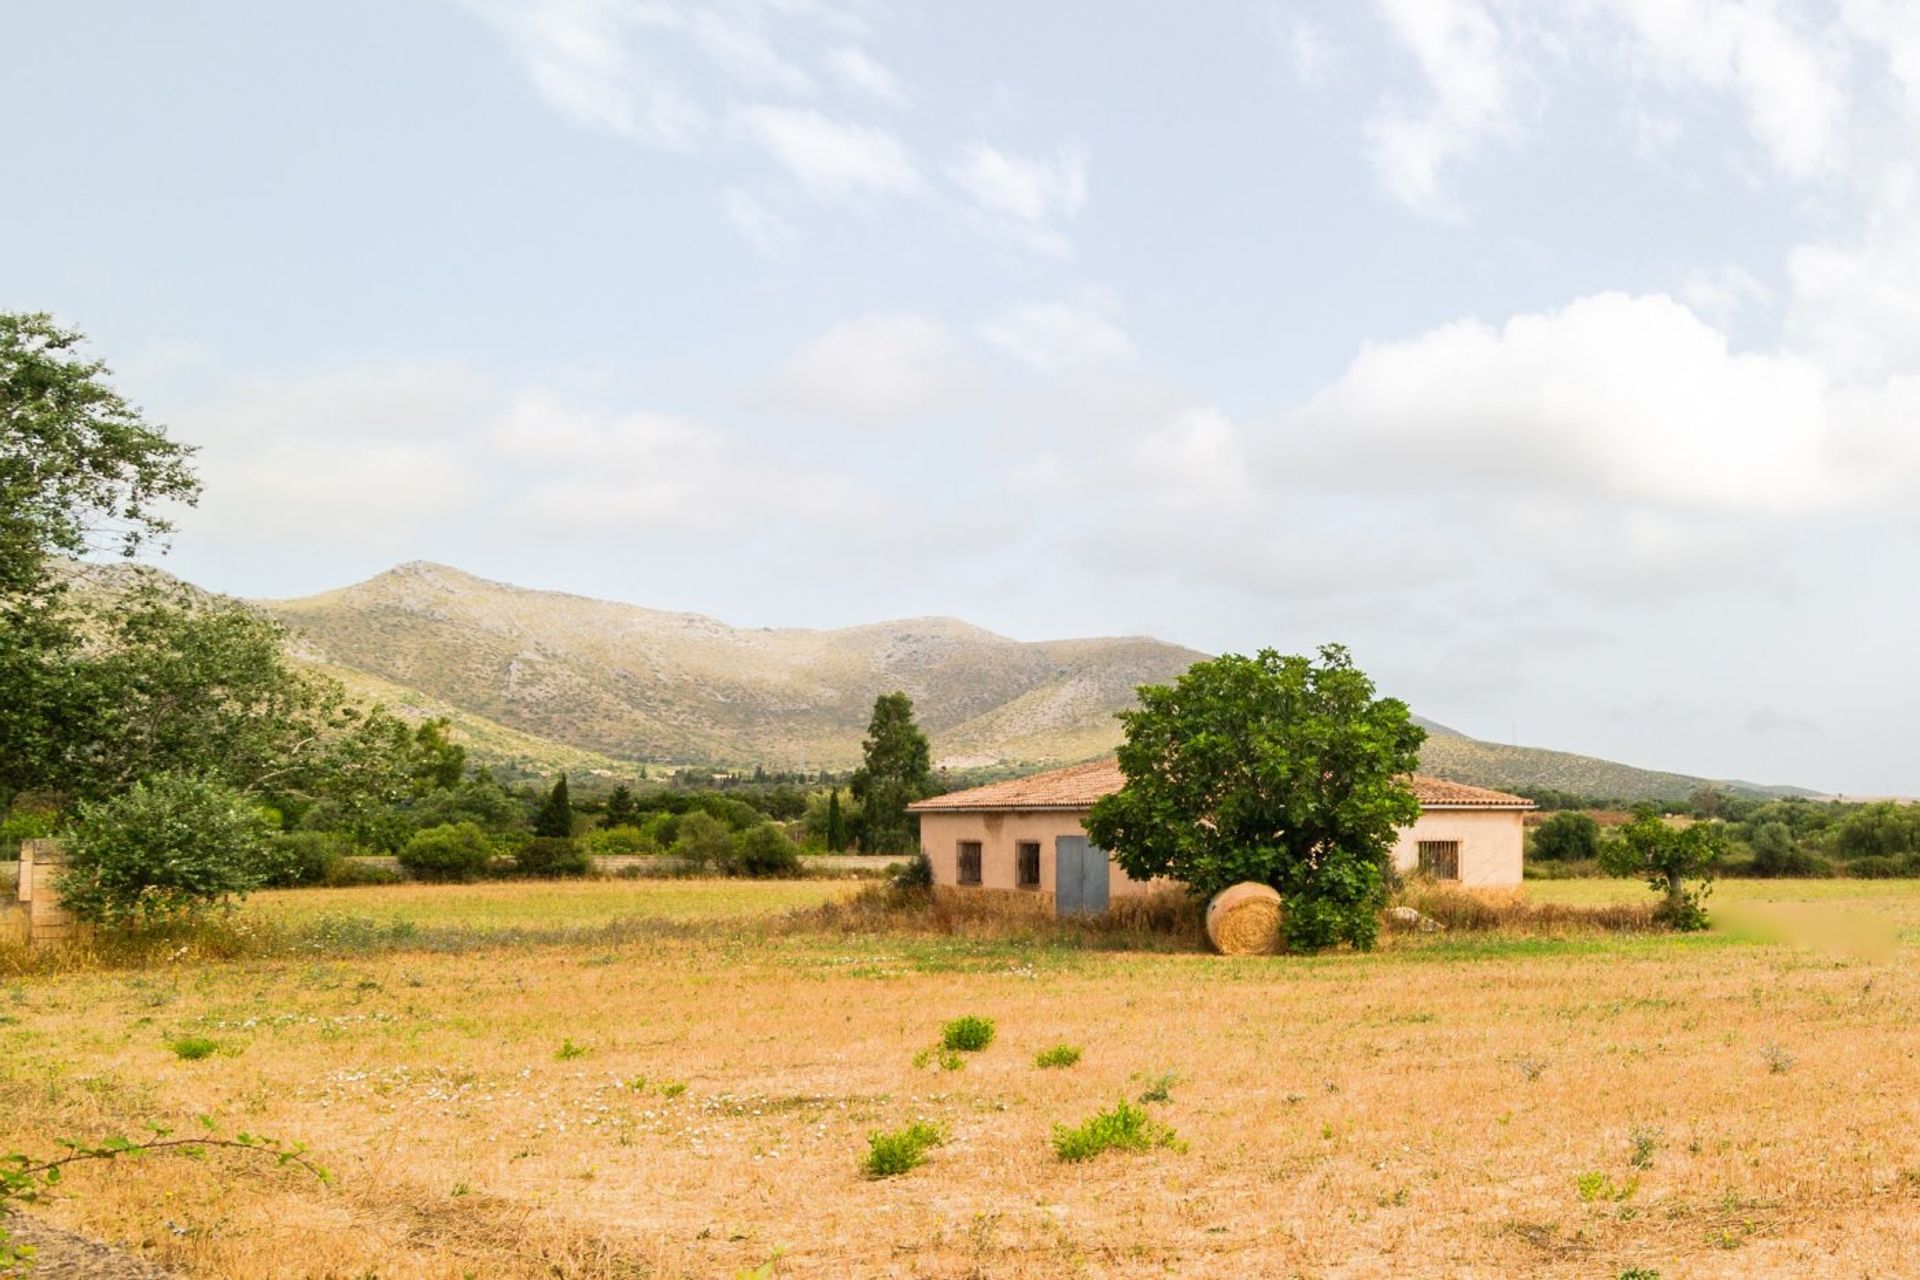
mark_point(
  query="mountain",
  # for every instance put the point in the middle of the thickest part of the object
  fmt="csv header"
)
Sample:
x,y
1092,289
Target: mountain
x,y
540,678
643,684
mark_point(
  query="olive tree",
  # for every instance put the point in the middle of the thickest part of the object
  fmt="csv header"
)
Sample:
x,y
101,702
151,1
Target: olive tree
x,y
1287,771
1667,857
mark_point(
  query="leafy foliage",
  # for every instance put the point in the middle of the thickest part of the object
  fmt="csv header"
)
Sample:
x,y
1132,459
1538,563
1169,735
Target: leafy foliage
x,y
550,857
1567,837
170,846
459,851
1280,770
764,851
1059,1055
969,1034
80,468
703,841
1125,1127
1667,857
555,819
620,811
897,770
891,1154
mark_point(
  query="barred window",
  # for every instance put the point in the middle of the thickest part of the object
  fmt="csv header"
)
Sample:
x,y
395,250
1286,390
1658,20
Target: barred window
x,y
1026,864
969,862
1440,859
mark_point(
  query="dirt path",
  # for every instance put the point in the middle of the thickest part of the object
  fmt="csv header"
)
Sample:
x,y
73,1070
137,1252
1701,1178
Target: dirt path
x,y
62,1255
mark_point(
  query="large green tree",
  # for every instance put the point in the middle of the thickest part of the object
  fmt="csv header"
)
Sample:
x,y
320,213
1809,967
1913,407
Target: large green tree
x,y
1284,770
897,769
554,821
80,471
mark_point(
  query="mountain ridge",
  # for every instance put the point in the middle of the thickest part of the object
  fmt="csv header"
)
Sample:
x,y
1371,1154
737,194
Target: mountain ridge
x,y
608,681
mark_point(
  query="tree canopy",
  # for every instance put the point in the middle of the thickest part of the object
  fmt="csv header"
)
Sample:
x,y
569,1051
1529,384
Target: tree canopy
x,y
1667,857
1283,770
896,770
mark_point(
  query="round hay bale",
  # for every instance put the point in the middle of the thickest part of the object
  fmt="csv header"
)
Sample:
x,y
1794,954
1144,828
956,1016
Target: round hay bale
x,y
1244,920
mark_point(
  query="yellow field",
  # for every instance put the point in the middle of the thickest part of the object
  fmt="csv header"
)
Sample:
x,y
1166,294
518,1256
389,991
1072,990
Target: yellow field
x,y
1467,1107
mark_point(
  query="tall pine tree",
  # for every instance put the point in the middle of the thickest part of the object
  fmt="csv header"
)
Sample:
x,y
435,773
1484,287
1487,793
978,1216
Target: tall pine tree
x,y
898,770
621,809
836,823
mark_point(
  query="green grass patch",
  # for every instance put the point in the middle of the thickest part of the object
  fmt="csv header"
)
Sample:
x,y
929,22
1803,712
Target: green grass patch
x,y
1125,1127
891,1154
967,1035
193,1048
1061,1055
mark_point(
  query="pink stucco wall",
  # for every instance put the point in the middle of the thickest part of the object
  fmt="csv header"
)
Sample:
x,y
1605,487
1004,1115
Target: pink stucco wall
x,y
1490,845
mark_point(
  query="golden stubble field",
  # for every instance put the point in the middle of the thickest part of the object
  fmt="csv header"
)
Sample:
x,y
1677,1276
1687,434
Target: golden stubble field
x,y
1581,1106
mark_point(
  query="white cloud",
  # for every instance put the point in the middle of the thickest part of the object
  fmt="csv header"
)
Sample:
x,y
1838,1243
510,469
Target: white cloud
x,y
1055,338
1470,71
1723,293
582,59
762,228
1194,464
1785,78
1019,200
1612,398
878,370
1856,307
365,457
834,161
1307,47
858,69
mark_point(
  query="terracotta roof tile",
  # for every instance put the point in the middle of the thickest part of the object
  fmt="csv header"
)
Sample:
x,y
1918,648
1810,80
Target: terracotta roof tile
x,y
1078,786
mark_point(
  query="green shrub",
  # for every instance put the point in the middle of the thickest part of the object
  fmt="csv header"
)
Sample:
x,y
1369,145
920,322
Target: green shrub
x,y
1061,1055
967,1035
347,872
703,842
1124,1128
891,1154
550,857
764,852
457,851
1566,837
295,859
25,824
621,841
169,846
1878,867
568,1051
193,1048
915,873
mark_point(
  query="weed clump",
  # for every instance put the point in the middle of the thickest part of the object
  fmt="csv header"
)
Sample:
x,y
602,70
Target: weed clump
x,y
193,1048
891,1154
967,1035
568,1051
1061,1055
1123,1128
1161,1090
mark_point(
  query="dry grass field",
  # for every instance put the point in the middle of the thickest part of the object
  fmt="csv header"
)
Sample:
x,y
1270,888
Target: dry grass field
x,y
696,1100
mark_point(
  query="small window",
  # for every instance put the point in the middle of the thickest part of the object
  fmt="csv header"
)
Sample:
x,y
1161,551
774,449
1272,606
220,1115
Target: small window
x,y
969,862
1440,859
1026,864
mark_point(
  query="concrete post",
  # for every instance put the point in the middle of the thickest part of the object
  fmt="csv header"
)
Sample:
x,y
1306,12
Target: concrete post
x,y
42,862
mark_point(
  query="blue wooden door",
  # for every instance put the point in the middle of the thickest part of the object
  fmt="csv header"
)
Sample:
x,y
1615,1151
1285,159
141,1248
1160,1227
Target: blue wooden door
x,y
1080,883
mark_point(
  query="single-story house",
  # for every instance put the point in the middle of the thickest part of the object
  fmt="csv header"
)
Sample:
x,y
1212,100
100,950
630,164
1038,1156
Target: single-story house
x,y
1027,834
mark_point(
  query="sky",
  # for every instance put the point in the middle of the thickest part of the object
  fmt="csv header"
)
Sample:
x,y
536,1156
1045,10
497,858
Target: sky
x,y
1561,358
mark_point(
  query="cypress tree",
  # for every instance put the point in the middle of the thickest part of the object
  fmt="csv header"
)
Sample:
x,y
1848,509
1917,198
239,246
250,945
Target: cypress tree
x,y
836,823
621,809
555,818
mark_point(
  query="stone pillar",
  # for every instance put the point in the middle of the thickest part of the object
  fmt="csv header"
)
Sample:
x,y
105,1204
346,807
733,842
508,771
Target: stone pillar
x,y
42,862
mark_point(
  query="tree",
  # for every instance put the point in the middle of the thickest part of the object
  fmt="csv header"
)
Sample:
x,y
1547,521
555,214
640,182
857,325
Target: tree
x,y
702,841
168,846
763,852
897,770
438,761
621,809
836,833
1280,770
80,469
458,851
1667,857
555,819
1567,837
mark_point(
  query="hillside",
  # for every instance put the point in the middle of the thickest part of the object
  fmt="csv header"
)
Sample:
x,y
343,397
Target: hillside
x,y
650,685
537,678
